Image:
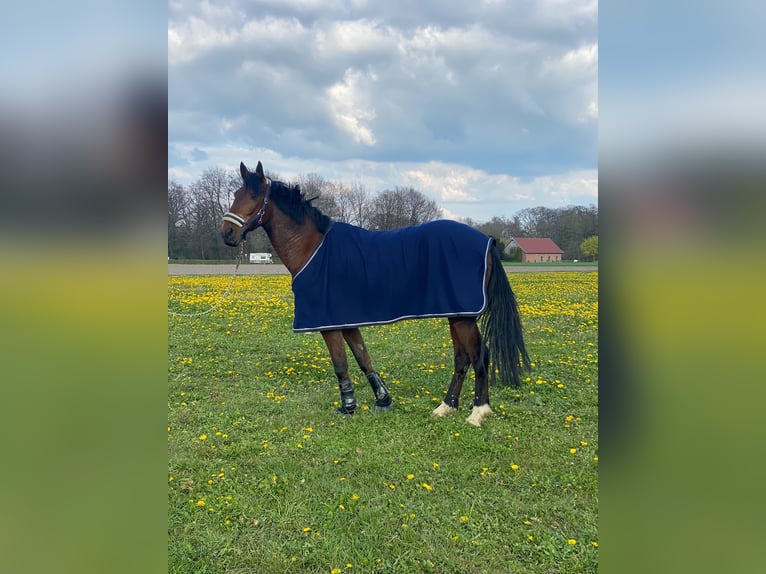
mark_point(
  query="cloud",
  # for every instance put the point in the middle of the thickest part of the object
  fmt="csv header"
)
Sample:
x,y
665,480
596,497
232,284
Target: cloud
x,y
453,184
349,106
436,99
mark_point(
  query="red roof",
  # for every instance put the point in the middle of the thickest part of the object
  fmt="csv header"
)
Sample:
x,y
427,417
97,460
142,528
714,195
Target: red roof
x,y
537,245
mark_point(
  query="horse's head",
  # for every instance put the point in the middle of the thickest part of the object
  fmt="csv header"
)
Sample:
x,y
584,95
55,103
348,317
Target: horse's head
x,y
250,201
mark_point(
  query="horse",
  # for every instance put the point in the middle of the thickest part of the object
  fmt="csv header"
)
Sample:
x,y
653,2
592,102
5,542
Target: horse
x,y
301,235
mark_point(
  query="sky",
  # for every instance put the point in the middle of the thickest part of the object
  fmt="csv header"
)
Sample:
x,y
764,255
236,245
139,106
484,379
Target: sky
x,y
488,107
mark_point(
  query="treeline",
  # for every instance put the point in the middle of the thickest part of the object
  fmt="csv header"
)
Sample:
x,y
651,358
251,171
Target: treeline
x,y
194,215
568,227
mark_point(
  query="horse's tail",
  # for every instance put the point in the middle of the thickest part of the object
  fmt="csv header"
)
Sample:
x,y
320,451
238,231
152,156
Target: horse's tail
x,y
501,325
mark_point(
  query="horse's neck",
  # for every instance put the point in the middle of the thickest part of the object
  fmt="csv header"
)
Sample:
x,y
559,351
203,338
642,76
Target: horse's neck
x,y
294,243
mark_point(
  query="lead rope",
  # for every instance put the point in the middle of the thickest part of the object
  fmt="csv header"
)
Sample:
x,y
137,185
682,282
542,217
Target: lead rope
x,y
225,293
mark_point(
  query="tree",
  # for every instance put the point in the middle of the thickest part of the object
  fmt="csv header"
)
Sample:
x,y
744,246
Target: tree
x,y
501,229
314,186
402,207
211,195
359,205
178,220
589,247
566,226
352,203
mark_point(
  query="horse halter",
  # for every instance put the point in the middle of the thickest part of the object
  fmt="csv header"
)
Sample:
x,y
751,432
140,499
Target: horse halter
x,y
258,217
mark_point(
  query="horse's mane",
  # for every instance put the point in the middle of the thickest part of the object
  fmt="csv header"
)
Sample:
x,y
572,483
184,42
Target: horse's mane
x,y
291,200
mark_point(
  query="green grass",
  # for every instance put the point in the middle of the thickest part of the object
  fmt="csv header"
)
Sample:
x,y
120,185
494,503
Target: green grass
x,y
263,477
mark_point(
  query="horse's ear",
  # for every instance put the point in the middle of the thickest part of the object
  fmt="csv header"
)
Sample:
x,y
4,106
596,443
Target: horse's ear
x,y
259,170
243,171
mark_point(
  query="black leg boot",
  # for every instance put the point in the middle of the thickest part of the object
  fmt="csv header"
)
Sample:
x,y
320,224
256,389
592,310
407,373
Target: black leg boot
x,y
347,398
379,388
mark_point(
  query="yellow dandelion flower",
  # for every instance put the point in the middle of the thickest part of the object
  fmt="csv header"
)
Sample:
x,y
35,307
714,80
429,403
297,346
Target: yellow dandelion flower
x,y
201,502
583,443
203,437
336,571
341,507
307,529
530,538
464,518
427,486
572,450
410,476
571,541
514,467
354,497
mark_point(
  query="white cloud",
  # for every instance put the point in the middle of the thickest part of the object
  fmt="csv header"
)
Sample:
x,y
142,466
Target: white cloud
x,y
349,106
356,37
455,102
194,37
444,182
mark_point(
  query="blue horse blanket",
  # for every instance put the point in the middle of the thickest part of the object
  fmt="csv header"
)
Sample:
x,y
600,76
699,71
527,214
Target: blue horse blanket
x,y
358,277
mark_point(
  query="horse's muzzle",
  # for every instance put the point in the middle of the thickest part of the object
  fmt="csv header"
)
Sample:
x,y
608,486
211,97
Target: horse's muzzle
x,y
230,237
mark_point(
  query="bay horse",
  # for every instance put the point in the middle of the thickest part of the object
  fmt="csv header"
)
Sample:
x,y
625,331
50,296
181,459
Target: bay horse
x,y
301,235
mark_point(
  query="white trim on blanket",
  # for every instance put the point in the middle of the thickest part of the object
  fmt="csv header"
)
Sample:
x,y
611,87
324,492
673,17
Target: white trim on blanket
x,y
405,317
313,254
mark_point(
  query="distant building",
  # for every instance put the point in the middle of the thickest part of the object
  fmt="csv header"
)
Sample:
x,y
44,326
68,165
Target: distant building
x,y
536,249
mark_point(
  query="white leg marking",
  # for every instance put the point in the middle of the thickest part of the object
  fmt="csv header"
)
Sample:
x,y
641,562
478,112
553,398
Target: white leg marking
x,y
443,410
478,414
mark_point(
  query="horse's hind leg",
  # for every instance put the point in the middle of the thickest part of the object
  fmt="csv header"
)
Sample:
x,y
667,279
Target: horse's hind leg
x,y
334,342
469,335
359,349
462,362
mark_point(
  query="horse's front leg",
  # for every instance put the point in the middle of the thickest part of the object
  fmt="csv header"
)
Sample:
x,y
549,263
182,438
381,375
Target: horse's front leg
x,y
334,342
359,349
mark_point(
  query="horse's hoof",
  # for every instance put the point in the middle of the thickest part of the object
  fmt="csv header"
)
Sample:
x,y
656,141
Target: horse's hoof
x,y
384,408
443,410
344,412
478,414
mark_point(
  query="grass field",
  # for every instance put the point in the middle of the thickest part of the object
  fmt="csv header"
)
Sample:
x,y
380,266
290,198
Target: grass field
x,y
263,477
